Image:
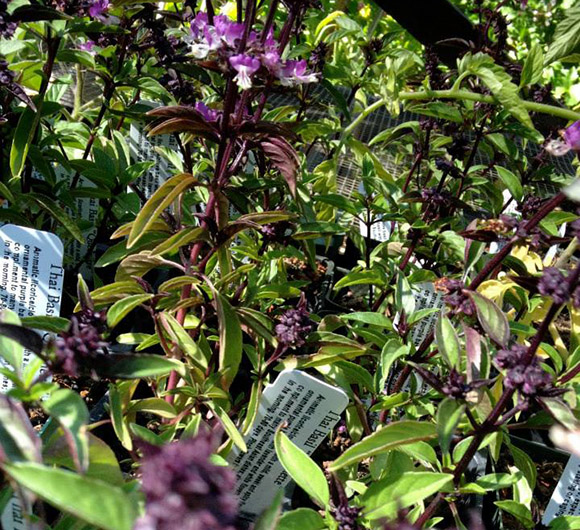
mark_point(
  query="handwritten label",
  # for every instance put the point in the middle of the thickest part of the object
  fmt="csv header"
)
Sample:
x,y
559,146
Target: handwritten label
x,y
144,149
566,497
31,277
310,407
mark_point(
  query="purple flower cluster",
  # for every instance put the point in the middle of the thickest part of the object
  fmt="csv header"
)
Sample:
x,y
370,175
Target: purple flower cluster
x,y
456,296
535,236
346,517
7,26
530,206
6,75
529,378
555,285
221,41
293,327
81,8
76,348
185,490
456,385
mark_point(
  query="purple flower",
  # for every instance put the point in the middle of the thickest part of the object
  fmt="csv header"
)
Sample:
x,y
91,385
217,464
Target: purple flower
x,y
456,386
207,113
246,66
7,26
185,490
505,359
536,380
97,9
294,73
346,517
76,348
87,46
570,142
198,25
572,136
293,327
456,297
555,285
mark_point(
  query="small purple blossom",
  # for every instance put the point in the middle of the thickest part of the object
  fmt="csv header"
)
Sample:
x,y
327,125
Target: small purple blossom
x,y
7,26
570,141
207,113
245,66
293,327
98,8
346,517
77,348
555,285
185,490
456,385
505,359
87,46
294,73
456,296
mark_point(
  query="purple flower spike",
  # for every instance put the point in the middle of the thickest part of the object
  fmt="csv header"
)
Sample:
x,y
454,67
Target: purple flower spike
x,y
294,73
98,8
246,66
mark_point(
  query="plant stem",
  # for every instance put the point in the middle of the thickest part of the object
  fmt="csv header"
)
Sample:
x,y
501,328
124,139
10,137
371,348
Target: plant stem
x,y
422,95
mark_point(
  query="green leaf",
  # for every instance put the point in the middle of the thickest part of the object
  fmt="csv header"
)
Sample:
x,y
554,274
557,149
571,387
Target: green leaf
x,y
52,324
269,518
120,309
389,437
76,56
404,297
228,426
533,66
303,470
103,463
374,319
157,406
384,498
301,519
449,414
391,351
18,440
119,425
22,139
135,365
230,338
565,522
182,238
512,182
46,203
69,409
159,201
518,510
447,341
10,349
317,229
185,343
498,481
491,318
567,36
77,495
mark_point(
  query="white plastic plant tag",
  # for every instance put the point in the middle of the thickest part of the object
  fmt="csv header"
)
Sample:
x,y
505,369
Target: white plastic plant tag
x,y
31,276
426,297
566,497
143,149
380,230
310,408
